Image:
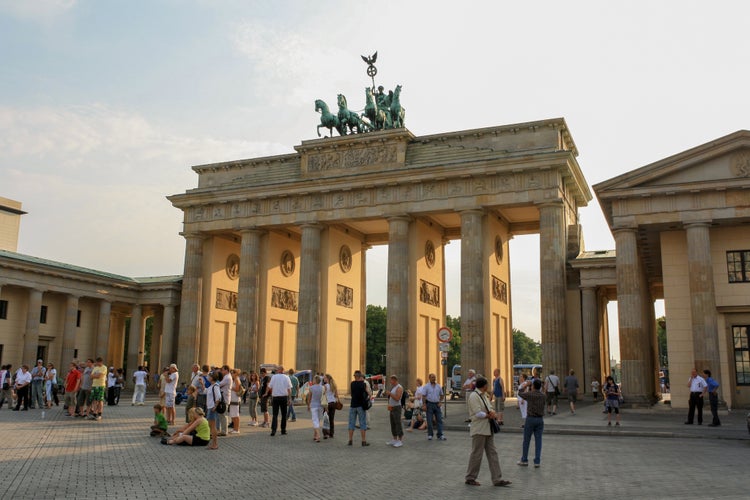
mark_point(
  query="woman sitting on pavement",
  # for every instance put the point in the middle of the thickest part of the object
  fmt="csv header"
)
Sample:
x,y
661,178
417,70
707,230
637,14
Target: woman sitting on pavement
x,y
196,433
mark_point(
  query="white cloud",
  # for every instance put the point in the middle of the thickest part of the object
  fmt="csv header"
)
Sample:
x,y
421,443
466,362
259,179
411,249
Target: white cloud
x,y
43,11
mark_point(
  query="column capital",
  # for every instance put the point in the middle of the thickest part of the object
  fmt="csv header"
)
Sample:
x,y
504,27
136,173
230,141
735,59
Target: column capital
x,y
624,230
311,225
556,203
697,223
472,211
251,230
399,217
193,234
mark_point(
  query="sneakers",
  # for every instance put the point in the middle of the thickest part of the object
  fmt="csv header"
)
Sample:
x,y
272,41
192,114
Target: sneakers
x,y
234,432
536,466
398,444
522,463
442,438
391,442
429,438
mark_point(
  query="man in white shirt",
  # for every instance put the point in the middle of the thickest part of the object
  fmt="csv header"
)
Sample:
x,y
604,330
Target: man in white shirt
x,y
698,387
139,392
170,392
23,383
552,389
280,389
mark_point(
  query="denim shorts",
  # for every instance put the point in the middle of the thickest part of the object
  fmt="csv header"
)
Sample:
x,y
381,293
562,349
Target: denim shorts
x,y
212,415
357,413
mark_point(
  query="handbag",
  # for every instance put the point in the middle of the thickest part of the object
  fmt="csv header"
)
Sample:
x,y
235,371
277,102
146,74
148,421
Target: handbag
x,y
221,406
339,405
494,426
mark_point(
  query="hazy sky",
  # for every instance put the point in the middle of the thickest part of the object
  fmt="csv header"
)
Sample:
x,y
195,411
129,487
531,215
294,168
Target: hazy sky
x,y
105,105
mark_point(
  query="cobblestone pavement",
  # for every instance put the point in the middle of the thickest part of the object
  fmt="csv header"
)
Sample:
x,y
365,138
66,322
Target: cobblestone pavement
x,y
61,457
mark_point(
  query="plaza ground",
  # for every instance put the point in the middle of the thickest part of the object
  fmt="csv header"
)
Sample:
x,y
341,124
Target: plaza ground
x,y
653,455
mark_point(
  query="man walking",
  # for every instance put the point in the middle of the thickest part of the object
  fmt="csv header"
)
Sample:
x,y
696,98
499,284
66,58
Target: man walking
x,y
291,415
571,387
482,439
697,387
394,413
433,395
552,390
5,386
139,390
712,387
534,424
280,390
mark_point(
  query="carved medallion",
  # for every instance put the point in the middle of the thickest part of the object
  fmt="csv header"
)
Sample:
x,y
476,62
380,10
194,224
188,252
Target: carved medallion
x,y
345,258
287,263
741,163
233,267
429,254
499,249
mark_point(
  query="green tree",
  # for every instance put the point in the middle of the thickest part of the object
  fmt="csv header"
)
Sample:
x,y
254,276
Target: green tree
x,y
661,339
376,328
525,350
454,356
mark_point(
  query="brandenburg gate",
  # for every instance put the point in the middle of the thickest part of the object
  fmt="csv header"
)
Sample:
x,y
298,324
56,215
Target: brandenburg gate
x,y
276,247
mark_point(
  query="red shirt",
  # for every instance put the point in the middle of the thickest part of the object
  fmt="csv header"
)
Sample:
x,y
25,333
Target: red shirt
x,y
71,381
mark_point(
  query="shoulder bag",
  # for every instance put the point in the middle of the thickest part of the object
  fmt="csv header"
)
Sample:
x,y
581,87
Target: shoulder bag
x,y
494,426
221,406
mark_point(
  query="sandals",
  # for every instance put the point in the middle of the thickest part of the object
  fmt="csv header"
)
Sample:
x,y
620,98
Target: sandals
x,y
502,483
472,482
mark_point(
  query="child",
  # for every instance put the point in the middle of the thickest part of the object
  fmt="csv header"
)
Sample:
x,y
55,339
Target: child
x,y
160,422
192,394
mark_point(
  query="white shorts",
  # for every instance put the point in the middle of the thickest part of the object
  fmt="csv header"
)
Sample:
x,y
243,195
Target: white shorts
x,y
316,414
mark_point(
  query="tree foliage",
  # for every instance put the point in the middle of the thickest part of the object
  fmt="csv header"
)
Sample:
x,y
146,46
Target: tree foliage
x,y
454,356
525,349
661,340
376,328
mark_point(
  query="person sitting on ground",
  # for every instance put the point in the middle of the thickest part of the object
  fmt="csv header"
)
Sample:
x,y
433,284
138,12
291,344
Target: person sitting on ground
x,y
160,422
196,433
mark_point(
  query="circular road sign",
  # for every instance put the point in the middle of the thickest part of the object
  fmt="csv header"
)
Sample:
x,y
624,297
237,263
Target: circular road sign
x,y
444,334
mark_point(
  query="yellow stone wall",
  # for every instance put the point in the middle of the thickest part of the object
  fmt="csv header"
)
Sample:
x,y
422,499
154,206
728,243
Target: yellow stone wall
x,y
278,327
426,319
498,322
677,310
219,323
12,328
340,326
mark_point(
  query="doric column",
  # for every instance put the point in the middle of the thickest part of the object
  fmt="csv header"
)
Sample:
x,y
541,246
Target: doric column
x,y
31,336
166,328
472,293
156,340
135,337
69,331
397,318
552,253
102,330
703,313
590,318
246,341
635,346
308,313
363,309
189,337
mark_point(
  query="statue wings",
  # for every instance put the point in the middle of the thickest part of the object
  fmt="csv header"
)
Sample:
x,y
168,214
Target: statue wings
x,y
370,60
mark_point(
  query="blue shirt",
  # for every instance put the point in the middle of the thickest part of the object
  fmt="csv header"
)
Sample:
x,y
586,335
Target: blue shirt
x,y
712,384
432,393
497,389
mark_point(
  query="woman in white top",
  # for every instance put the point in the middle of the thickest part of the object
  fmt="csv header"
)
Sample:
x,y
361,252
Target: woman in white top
x,y
524,384
332,395
314,395
50,379
234,402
